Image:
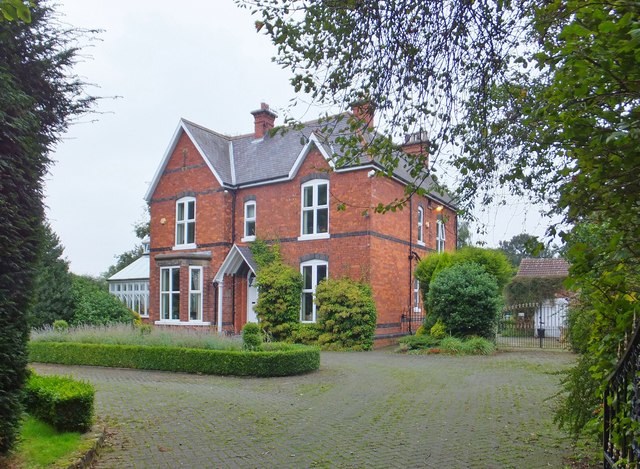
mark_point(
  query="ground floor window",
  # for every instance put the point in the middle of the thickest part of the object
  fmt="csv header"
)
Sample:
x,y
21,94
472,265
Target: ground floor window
x,y
313,272
170,293
134,294
195,293
417,301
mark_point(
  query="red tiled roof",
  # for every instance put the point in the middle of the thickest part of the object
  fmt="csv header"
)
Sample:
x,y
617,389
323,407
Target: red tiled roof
x,y
543,268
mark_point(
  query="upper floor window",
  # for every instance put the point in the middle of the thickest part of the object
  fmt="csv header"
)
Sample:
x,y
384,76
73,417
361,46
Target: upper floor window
x,y
315,209
440,235
420,225
186,221
313,272
195,293
249,221
170,294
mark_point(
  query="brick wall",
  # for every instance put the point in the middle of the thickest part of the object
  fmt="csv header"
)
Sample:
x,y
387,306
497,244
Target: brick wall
x,y
363,246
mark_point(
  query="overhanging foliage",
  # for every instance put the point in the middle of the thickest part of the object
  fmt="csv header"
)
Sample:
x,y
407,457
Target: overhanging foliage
x,y
522,290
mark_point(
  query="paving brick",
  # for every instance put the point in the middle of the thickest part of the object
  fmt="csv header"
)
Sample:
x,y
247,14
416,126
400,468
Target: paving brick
x,y
361,410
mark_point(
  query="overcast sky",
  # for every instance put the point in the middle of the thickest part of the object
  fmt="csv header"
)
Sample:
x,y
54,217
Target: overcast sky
x,y
165,60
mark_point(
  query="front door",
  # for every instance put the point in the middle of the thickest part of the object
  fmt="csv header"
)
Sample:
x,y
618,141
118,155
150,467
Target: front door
x,y
252,297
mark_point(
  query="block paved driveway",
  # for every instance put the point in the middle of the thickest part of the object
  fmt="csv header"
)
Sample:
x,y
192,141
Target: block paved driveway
x,y
361,410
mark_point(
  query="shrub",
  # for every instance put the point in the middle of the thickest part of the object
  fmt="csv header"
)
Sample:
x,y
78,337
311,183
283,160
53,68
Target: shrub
x,y
438,330
251,336
478,346
422,330
346,314
60,325
276,359
453,345
95,305
428,268
467,299
493,261
278,305
580,320
305,334
63,402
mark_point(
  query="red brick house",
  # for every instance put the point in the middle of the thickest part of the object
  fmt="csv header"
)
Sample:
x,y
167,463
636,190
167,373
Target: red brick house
x,y
212,194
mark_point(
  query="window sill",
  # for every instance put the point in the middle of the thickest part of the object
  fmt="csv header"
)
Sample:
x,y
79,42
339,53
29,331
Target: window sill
x,y
180,247
308,237
420,243
307,322
175,322
248,239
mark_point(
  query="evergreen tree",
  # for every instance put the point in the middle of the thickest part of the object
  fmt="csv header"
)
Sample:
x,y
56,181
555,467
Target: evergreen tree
x,y
52,298
38,95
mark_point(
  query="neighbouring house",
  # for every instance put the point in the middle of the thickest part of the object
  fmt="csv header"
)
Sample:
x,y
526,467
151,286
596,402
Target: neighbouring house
x,y
131,284
212,194
551,313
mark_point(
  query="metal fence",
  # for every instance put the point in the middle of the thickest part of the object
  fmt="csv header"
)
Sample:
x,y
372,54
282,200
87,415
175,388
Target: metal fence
x,y
534,325
621,434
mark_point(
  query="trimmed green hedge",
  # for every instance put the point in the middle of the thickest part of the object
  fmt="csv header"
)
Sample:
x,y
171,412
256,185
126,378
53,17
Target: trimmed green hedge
x,y
288,359
63,402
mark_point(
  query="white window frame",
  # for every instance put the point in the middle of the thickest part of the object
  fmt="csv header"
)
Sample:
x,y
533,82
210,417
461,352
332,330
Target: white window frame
x,y
313,264
198,291
169,293
421,226
441,236
314,208
247,237
183,225
417,300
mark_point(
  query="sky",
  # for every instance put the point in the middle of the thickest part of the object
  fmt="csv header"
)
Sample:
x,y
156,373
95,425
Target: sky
x,y
153,63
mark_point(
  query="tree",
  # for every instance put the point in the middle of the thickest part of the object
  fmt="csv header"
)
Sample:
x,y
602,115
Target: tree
x,y
464,235
52,298
94,305
38,95
524,245
566,133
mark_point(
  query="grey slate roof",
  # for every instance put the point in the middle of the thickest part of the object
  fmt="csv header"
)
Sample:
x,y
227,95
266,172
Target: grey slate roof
x,y
543,268
244,160
248,256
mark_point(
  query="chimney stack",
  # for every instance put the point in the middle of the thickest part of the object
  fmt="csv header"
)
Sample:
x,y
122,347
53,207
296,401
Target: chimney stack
x,y
264,120
364,111
417,144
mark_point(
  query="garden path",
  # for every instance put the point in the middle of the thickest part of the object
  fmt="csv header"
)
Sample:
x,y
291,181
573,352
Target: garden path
x,y
361,410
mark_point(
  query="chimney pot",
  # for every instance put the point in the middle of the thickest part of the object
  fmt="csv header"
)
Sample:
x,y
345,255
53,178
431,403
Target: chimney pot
x,y
364,111
263,120
416,143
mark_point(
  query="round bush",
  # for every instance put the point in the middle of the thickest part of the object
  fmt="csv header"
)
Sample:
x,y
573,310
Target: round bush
x,y
251,336
346,314
467,299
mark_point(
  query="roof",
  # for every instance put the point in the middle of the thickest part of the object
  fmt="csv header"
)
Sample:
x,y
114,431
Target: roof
x,y
237,257
137,270
244,160
553,267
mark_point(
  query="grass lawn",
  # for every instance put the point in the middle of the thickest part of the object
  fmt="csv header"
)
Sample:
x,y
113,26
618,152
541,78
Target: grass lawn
x,y
41,445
